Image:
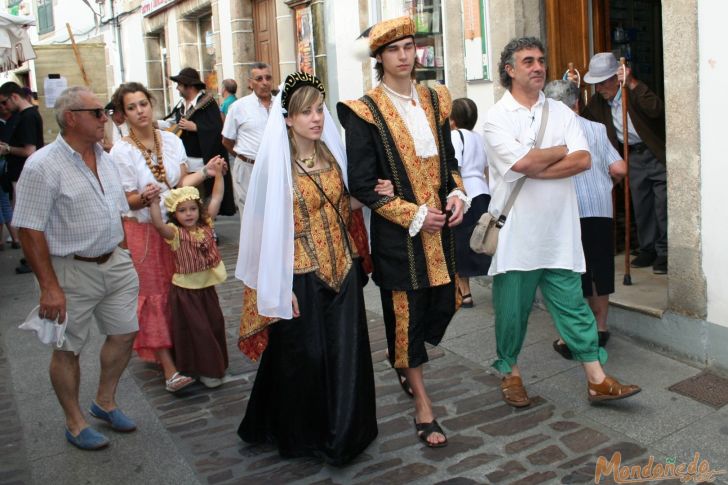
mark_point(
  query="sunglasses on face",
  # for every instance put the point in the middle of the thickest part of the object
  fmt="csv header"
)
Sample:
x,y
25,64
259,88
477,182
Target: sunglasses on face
x,y
97,112
258,79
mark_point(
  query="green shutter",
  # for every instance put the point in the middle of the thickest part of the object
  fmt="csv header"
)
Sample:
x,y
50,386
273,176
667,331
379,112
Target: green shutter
x,y
45,16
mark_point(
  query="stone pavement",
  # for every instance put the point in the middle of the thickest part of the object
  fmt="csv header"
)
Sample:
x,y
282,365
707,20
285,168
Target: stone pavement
x,y
190,438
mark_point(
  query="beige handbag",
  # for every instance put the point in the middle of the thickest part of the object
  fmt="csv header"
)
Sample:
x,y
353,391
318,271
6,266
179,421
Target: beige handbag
x,y
484,239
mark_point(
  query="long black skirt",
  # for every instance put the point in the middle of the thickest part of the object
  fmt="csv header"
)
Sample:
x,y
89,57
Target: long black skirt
x,y
468,262
314,391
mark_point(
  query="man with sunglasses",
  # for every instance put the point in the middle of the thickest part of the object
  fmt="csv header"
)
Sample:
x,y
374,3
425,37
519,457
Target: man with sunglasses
x,y
25,138
68,211
244,126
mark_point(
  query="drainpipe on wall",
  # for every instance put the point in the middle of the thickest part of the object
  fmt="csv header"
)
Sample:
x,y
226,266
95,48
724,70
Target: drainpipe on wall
x,y
117,34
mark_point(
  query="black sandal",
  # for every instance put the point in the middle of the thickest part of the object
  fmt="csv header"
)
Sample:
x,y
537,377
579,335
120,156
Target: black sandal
x,y
425,430
563,350
469,303
402,379
404,383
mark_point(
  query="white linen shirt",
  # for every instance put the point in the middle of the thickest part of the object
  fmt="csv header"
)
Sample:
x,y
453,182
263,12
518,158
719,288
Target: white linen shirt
x,y
542,230
594,186
135,175
470,154
59,195
416,121
245,123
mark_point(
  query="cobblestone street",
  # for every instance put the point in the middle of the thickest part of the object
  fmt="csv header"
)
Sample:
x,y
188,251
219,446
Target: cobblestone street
x,y
191,437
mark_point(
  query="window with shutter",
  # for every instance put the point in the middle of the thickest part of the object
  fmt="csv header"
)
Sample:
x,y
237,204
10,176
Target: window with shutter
x,y
45,16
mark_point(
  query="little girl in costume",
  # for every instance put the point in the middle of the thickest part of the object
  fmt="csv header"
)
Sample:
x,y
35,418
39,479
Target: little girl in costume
x,y
198,326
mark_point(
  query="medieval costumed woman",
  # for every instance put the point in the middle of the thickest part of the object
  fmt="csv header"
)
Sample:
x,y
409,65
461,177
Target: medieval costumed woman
x,y
303,305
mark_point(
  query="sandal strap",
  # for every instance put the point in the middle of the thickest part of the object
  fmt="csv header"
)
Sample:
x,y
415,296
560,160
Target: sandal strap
x,y
610,387
426,429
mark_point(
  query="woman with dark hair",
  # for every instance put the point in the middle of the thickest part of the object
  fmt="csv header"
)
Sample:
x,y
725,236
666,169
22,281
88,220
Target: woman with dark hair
x,y
470,153
303,305
151,163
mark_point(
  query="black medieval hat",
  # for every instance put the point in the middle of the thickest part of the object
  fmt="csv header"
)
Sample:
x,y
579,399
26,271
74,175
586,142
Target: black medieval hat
x,y
298,80
189,77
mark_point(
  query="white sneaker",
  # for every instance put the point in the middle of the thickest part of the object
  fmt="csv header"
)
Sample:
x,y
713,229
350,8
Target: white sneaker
x,y
210,382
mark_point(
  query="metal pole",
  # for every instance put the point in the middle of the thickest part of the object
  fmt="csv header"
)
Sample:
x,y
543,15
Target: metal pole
x,y
117,34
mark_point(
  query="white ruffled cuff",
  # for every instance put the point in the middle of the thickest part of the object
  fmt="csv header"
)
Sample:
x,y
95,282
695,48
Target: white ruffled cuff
x,y
461,195
418,221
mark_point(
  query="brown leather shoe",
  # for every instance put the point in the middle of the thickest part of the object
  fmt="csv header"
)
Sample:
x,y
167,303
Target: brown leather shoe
x,y
514,393
610,389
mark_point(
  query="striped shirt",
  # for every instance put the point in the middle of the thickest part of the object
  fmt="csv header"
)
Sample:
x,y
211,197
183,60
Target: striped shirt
x,y
60,196
594,187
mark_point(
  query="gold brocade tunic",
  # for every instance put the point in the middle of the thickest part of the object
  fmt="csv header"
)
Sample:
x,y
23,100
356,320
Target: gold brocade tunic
x,y
319,245
380,146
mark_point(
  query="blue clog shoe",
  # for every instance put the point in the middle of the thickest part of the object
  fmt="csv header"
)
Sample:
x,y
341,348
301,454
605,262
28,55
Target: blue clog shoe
x,y
88,439
116,418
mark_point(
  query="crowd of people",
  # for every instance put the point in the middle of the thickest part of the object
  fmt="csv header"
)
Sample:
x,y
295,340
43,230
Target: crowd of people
x,y
126,239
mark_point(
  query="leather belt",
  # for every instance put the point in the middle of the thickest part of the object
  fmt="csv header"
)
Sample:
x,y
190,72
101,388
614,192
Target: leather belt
x,y
634,148
246,159
98,259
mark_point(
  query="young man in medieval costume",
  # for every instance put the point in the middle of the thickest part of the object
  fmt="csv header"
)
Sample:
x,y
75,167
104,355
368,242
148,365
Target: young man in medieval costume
x,y
399,131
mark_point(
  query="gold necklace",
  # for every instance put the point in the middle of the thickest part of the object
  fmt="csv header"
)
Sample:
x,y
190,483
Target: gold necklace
x,y
158,171
310,161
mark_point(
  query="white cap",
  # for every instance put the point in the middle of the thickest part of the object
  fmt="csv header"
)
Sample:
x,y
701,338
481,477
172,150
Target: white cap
x,y
602,66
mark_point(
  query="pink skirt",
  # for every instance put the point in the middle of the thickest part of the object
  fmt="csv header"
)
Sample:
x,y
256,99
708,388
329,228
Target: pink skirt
x,y
154,262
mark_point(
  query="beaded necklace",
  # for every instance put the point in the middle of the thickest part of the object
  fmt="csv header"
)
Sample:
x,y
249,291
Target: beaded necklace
x,y
410,98
160,174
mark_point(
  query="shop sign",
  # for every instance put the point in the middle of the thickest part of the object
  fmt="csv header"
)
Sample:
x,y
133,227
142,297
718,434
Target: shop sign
x,y
152,6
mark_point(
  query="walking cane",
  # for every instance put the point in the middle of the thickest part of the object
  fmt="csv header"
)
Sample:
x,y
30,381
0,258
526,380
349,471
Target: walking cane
x,y
625,134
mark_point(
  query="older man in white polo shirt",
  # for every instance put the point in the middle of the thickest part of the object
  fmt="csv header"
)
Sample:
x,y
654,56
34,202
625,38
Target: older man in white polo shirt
x,y
540,244
69,217
244,126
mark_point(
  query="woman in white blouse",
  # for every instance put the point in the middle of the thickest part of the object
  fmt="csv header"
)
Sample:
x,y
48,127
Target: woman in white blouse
x,y
470,153
152,162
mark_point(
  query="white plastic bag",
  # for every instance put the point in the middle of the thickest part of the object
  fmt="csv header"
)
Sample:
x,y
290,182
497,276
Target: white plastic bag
x,y
48,331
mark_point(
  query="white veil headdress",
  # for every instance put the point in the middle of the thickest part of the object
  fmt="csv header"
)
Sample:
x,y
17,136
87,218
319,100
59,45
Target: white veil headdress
x,y
265,255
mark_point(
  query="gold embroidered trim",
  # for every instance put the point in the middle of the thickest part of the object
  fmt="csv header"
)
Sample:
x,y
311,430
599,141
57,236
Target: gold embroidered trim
x,y
360,109
250,321
400,304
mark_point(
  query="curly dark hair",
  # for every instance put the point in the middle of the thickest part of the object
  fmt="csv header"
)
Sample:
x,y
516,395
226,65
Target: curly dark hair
x,y
133,87
508,56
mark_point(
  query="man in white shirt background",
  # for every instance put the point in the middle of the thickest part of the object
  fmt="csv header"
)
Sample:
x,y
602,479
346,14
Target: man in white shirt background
x,y
244,126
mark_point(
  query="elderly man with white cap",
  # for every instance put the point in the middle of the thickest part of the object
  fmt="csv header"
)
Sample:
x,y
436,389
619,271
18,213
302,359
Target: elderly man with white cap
x,y
646,129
